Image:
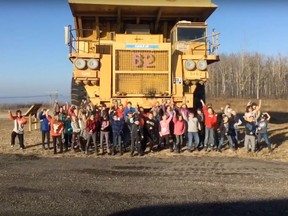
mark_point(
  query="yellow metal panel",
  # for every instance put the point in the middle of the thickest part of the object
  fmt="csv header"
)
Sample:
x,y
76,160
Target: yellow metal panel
x,y
136,38
195,75
83,47
105,77
142,60
142,83
177,3
146,76
201,9
84,73
177,73
92,92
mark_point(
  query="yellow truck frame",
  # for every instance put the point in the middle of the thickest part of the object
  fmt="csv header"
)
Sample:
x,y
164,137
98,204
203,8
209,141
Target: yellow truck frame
x,y
140,51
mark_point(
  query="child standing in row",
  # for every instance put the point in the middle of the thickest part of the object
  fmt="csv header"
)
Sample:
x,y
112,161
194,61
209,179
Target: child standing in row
x,y
165,131
104,133
179,130
263,130
250,132
56,130
210,125
227,131
18,130
45,128
192,132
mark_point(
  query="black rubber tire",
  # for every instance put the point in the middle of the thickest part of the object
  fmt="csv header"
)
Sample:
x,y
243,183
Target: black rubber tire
x,y
199,94
78,92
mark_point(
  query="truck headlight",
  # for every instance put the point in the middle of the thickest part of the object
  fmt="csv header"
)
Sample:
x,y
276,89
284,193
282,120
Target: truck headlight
x,y
202,65
80,63
93,63
189,64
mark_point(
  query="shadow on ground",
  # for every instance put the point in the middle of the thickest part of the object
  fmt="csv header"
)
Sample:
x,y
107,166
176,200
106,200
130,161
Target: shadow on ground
x,y
253,208
278,117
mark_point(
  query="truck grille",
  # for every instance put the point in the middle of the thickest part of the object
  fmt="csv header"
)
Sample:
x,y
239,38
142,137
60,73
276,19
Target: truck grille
x,y
144,83
141,60
141,72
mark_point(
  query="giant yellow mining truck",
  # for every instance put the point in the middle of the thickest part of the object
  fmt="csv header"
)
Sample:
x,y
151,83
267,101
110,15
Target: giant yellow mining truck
x,y
140,51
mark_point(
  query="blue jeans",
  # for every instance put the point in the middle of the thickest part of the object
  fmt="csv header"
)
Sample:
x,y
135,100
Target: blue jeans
x,y
231,141
265,137
193,136
209,137
117,140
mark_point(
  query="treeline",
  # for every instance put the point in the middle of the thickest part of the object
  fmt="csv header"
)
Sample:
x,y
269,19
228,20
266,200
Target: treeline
x,y
248,75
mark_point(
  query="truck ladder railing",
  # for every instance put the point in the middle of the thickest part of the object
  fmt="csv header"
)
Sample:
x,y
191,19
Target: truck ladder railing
x,y
74,40
213,44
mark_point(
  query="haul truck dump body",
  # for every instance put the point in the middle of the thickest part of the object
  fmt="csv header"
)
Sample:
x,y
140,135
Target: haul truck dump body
x,y
140,51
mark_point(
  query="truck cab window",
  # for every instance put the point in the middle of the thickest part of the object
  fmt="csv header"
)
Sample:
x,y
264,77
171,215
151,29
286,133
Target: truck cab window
x,y
188,34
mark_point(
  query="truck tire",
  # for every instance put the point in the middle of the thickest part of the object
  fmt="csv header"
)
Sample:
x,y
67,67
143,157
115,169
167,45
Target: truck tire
x,y
199,95
78,92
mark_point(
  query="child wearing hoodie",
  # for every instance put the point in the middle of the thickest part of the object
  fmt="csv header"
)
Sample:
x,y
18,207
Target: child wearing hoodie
x,y
18,130
56,129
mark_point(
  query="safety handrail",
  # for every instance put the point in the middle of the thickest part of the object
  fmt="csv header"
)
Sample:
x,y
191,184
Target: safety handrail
x,y
74,41
213,44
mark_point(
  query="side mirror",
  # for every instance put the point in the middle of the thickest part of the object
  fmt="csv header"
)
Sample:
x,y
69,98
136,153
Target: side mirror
x,y
66,34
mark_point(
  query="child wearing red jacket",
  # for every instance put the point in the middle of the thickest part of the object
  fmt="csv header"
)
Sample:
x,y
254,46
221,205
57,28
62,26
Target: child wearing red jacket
x,y
56,129
18,130
210,125
179,130
91,128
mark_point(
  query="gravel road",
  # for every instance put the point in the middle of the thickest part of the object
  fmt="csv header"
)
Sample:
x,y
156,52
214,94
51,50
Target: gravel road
x,y
31,185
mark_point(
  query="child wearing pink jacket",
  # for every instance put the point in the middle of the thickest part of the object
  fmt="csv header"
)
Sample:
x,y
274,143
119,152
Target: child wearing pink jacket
x,y
164,130
179,130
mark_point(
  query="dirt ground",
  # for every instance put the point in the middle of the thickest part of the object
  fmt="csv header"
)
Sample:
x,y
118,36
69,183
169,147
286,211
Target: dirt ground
x,y
33,185
35,182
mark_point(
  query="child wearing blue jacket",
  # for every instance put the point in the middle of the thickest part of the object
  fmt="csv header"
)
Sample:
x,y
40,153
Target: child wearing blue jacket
x,y
45,128
117,127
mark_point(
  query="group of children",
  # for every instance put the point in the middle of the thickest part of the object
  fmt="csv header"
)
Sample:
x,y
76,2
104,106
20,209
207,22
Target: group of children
x,y
124,127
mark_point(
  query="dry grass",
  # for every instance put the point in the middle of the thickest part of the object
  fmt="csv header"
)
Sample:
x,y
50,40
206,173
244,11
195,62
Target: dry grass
x,y
278,131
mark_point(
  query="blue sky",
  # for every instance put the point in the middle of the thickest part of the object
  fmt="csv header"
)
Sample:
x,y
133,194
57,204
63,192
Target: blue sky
x,y
33,56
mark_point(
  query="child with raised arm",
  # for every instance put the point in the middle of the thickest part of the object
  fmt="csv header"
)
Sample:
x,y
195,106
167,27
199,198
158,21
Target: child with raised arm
x,y
250,133
76,133
263,130
164,131
227,131
56,129
45,128
210,125
18,130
